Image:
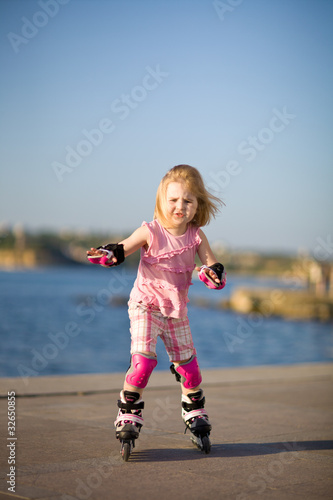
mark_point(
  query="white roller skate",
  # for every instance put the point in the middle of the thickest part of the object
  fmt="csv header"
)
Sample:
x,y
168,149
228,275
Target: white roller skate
x,y
196,419
129,421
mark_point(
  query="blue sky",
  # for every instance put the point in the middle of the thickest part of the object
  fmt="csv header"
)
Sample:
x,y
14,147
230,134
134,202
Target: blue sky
x,y
100,98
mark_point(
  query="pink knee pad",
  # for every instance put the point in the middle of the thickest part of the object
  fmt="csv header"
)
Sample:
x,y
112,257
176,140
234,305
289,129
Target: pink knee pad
x,y
190,373
140,370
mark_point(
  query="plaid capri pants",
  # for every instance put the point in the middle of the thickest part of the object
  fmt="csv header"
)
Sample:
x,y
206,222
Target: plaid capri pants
x,y
148,323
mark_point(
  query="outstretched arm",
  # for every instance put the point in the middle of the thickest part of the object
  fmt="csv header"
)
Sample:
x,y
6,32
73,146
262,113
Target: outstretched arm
x,y
205,253
212,269
138,239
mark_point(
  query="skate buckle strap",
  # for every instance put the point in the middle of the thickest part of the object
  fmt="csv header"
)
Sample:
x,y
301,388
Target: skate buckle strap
x,y
195,405
128,406
195,413
130,417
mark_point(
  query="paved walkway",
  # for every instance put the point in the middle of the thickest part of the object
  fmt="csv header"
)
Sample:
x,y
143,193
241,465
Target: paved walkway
x,y
272,438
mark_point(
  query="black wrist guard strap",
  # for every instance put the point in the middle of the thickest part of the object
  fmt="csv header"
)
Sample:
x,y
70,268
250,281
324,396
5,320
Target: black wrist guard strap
x,y
218,269
117,250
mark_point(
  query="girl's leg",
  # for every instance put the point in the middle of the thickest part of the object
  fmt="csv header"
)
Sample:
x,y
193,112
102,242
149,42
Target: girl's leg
x,y
184,389
144,328
188,373
129,387
129,420
130,403
193,402
137,376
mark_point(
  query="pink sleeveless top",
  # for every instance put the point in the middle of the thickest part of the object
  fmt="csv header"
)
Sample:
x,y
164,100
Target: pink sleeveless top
x,y
165,270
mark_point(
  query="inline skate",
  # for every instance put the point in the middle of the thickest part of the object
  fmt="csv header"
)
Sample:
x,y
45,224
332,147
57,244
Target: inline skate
x,y
196,420
129,421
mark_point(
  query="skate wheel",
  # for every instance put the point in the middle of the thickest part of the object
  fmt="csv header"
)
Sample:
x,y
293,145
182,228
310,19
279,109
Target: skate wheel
x,y
126,451
206,445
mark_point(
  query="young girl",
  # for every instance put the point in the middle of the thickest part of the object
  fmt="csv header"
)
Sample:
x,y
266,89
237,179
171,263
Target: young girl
x,y
158,300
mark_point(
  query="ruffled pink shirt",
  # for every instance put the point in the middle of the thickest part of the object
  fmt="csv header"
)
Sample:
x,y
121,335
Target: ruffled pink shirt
x,y
165,270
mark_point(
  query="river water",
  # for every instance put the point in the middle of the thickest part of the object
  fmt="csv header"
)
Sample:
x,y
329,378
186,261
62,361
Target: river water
x,y
57,321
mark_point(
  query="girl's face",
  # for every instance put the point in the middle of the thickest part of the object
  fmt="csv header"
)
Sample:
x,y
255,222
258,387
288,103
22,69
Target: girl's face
x,y
181,207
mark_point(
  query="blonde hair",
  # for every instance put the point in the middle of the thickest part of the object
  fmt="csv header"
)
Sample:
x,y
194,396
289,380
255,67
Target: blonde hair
x,y
208,205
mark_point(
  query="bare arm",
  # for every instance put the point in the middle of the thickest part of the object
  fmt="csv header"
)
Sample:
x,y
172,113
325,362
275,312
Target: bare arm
x,y
138,239
206,256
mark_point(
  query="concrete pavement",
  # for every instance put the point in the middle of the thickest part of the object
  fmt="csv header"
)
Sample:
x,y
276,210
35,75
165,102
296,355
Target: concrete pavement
x,y
272,438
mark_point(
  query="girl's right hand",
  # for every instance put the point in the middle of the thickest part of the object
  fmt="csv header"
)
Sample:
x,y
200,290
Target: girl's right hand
x,y
94,252
95,256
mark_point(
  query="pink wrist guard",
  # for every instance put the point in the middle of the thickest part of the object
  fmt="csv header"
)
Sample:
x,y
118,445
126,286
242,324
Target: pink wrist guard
x,y
209,282
102,259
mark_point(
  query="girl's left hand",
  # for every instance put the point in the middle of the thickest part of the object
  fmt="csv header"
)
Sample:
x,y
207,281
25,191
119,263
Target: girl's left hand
x,y
210,273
